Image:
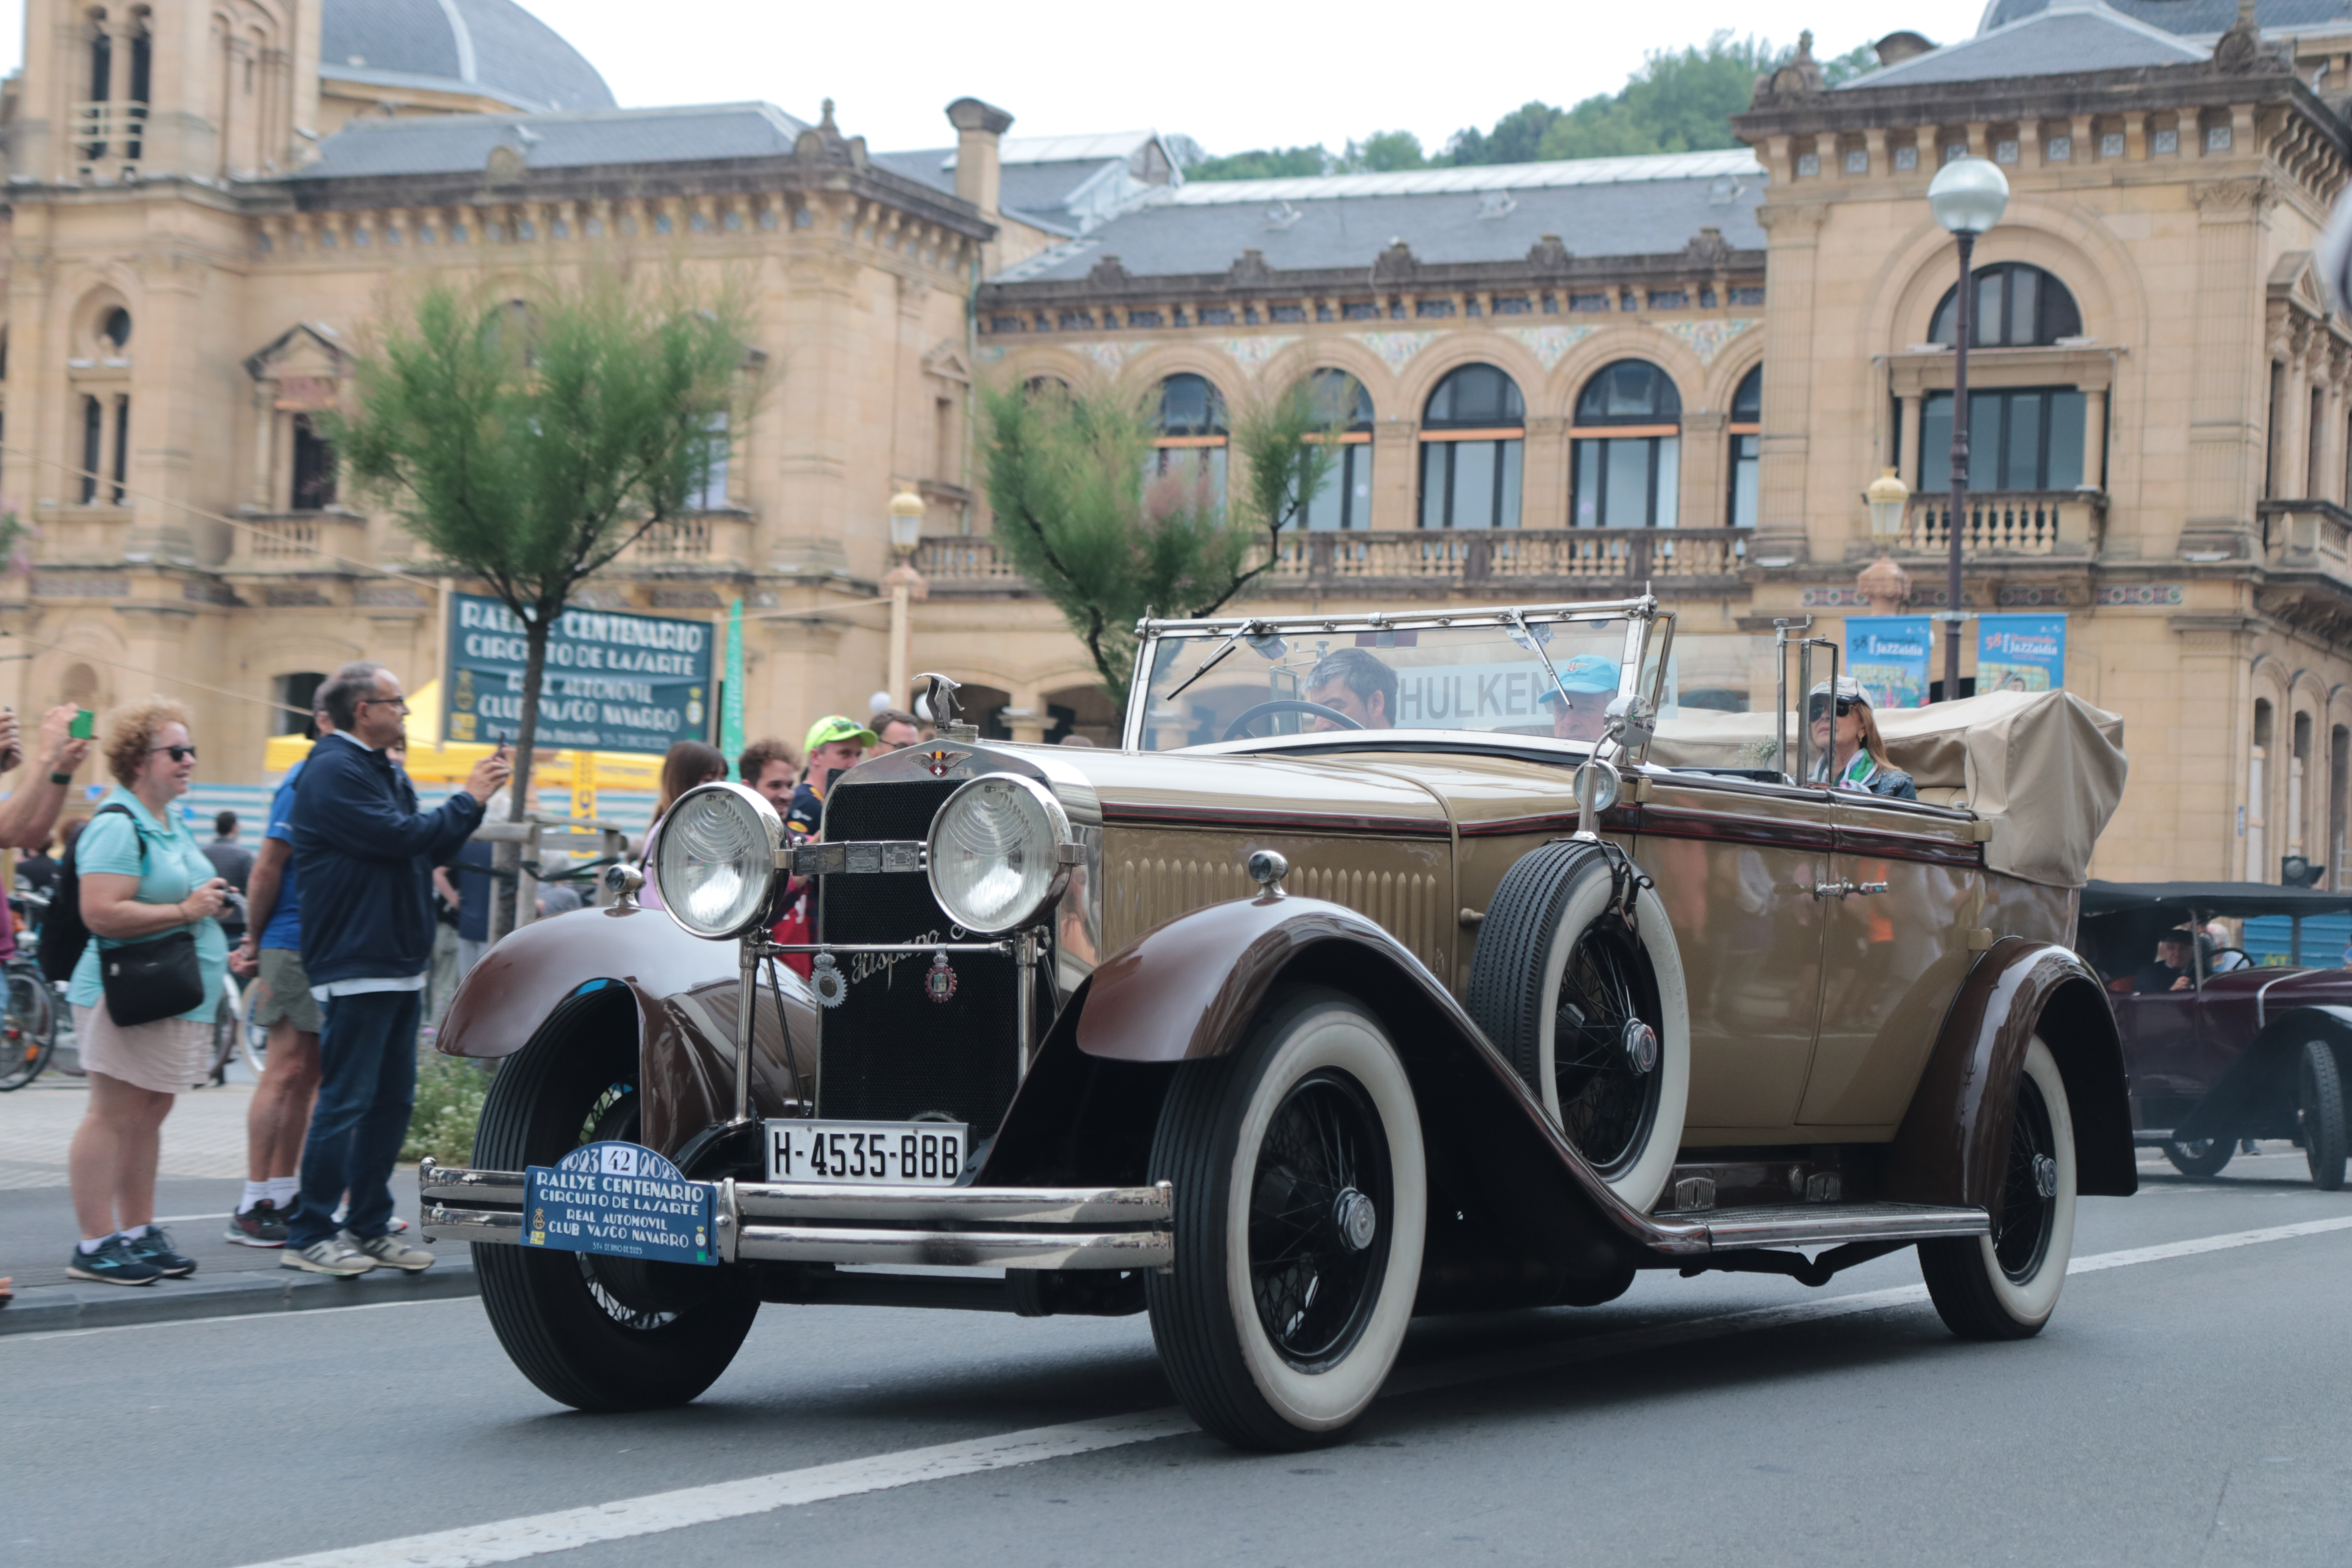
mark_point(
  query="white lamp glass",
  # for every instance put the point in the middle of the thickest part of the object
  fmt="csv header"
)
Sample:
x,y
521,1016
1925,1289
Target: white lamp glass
x,y
1967,195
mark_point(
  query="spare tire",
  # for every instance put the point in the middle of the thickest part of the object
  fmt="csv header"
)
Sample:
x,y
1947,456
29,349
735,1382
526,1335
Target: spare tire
x,y
1590,1007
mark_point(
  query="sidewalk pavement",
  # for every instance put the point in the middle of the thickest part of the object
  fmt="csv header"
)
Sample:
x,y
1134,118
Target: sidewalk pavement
x,y
201,1176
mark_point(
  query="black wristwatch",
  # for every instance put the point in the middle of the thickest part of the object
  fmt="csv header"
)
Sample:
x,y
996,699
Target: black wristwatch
x,y
61,778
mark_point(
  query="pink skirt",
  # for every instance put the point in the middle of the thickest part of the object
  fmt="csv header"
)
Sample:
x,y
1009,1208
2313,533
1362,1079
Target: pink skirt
x,y
170,1056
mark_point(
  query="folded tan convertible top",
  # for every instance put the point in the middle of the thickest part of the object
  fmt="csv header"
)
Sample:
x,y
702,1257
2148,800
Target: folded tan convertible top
x,y
2044,768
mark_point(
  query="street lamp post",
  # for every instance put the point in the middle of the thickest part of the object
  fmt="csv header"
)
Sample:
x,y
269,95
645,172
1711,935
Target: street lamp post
x,y
1885,585
905,583
1967,196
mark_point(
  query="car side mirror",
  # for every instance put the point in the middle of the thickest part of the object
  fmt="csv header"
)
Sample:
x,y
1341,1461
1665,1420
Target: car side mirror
x,y
1631,722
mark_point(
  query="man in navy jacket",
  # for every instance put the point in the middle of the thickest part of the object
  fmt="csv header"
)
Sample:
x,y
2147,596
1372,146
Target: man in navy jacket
x,y
363,855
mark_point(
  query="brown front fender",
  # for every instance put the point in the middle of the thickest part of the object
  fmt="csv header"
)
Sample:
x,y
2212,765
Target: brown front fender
x,y
554,974
1954,1142
1516,1216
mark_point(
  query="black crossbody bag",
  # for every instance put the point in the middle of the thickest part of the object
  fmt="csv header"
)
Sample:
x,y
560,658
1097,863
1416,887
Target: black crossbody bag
x,y
151,980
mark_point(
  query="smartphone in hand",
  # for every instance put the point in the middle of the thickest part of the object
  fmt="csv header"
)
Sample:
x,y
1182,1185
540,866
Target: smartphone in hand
x,y
84,726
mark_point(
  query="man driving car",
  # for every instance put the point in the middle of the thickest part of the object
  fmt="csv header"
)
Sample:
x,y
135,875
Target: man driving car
x,y
1350,681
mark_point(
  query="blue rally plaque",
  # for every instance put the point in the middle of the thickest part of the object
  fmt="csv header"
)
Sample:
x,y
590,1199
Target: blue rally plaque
x,y
621,1200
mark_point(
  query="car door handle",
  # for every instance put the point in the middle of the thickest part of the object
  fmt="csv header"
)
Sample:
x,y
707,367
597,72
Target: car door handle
x,y
1840,889
1870,887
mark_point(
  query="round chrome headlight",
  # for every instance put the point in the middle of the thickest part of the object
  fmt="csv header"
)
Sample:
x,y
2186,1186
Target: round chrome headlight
x,y
996,852
715,861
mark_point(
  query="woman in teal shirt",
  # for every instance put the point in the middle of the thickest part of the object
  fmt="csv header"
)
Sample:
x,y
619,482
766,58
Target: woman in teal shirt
x,y
143,877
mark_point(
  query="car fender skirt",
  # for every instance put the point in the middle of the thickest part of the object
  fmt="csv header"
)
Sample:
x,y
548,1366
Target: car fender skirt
x,y
1953,1144
1516,1217
2255,1094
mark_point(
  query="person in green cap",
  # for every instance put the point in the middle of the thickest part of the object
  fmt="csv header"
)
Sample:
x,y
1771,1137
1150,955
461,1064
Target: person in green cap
x,y
836,745
1591,682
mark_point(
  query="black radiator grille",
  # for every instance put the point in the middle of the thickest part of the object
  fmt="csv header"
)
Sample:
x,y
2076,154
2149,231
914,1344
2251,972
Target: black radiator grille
x,y
889,1052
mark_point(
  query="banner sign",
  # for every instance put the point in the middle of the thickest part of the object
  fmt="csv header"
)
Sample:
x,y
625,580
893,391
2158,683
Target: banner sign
x,y
1887,657
621,1200
2021,653
730,715
615,682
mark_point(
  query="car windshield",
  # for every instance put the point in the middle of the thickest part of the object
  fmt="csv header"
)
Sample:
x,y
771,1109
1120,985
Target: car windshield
x,y
1262,679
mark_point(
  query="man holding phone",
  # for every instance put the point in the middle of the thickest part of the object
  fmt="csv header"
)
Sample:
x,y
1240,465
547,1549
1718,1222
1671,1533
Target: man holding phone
x,y
365,855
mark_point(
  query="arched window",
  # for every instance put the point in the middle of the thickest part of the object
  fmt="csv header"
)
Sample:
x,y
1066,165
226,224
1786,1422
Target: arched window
x,y
114,329
1346,498
1628,447
1190,446
2016,306
1472,434
1747,446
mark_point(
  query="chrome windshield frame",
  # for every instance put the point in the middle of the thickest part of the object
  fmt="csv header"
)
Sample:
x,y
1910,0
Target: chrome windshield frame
x,y
1641,614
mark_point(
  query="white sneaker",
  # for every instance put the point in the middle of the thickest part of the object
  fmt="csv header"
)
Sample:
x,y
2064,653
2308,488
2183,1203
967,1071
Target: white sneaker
x,y
393,1253
336,1255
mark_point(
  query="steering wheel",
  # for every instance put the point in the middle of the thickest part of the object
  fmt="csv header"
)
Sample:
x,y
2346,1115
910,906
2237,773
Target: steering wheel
x,y
1285,705
2246,960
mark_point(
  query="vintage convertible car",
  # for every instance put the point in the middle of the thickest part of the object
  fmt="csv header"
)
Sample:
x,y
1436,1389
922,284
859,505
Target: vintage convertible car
x,y
1353,985
2238,1051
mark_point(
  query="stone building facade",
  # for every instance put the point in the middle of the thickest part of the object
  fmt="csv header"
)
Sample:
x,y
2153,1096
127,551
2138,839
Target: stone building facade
x,y
2164,420
1561,381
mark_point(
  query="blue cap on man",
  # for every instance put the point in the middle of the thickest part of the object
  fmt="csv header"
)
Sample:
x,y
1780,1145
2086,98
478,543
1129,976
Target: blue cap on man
x,y
1587,674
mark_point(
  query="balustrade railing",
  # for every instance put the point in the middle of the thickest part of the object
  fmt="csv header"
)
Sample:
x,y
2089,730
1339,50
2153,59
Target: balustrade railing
x,y
2307,536
2008,522
109,132
1332,562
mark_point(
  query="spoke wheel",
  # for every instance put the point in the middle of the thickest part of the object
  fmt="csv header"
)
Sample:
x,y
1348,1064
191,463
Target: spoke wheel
x,y
1592,1010
1607,1099
595,1333
2022,1222
1322,1159
27,1030
2005,1285
1300,1196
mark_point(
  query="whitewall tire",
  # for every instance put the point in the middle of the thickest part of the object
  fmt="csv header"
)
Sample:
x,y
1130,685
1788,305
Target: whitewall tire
x,y
1301,1198
2004,1286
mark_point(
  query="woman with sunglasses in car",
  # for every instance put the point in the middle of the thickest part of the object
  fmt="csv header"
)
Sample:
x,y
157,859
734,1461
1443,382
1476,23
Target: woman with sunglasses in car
x,y
1847,750
143,878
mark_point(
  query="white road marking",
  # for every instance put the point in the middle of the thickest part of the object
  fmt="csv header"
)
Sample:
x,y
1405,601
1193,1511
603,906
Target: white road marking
x,y
533,1535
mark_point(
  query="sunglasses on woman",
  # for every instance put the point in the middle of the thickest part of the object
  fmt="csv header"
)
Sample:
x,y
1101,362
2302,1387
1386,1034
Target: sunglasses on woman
x,y
179,753
1821,708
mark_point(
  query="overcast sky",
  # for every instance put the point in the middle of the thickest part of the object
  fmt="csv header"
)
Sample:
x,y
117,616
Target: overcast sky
x,y
1277,73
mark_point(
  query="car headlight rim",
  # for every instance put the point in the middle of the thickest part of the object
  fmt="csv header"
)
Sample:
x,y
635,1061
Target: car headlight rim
x,y
985,882
714,862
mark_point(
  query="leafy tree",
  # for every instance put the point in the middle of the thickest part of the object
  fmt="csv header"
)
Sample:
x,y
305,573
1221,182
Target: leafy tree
x,y
1265,164
1518,137
1078,515
529,442
1681,100
1383,151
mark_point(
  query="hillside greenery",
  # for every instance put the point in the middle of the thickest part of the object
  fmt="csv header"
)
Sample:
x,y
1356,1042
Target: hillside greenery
x,y
1680,101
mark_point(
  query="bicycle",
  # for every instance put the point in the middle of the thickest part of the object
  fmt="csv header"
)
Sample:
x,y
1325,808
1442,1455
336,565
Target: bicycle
x,y
28,1018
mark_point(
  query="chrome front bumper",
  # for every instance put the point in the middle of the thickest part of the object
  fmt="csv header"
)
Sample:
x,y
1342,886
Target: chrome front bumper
x,y
798,1222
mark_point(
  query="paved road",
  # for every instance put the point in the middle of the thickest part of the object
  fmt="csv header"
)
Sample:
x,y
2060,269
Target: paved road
x,y
2186,1406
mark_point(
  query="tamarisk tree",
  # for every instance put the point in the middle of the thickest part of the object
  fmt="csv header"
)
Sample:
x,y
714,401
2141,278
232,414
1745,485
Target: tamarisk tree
x,y
1081,513
529,437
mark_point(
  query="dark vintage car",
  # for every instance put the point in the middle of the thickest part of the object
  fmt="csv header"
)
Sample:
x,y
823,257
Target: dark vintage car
x,y
2229,1049
1382,969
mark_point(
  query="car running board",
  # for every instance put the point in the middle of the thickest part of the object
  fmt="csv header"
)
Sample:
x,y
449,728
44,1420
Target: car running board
x,y
1828,1224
